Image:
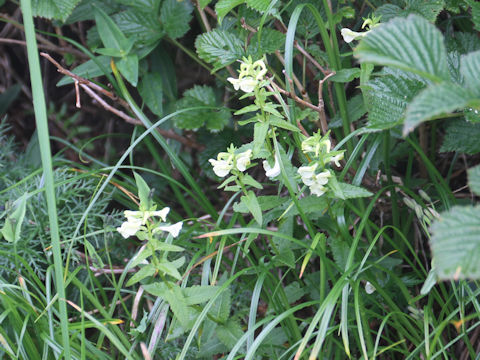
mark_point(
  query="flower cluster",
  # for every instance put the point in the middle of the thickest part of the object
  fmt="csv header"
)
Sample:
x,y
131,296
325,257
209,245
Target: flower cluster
x,y
318,148
251,74
228,161
136,221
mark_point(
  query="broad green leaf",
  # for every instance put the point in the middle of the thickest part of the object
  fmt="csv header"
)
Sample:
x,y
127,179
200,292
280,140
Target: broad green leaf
x,y
387,98
88,70
455,243
219,47
199,294
461,136
294,291
151,91
248,180
285,258
157,289
429,9
143,192
178,304
144,272
141,24
223,7
175,17
12,227
435,101
469,68
112,37
474,179
251,202
109,52
83,11
201,95
54,9
271,40
229,333
128,66
158,245
345,75
260,5
411,44
247,109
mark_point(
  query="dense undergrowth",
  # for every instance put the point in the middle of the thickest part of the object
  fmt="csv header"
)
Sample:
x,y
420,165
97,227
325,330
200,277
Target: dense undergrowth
x,y
239,179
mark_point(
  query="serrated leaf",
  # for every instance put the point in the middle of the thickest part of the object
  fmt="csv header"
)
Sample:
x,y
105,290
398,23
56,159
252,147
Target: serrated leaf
x,y
221,307
260,130
54,9
469,68
175,17
201,95
229,333
266,203
144,254
455,243
204,3
157,289
388,97
461,136
411,44
219,47
285,258
270,41
144,272
349,191
294,292
223,7
283,124
151,91
142,24
170,268
474,179
434,101
259,5
199,294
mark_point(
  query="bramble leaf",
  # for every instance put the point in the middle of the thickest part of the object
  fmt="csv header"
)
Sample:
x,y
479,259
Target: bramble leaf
x,y
455,243
411,44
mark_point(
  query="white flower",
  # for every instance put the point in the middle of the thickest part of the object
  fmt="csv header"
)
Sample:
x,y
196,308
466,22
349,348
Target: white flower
x,y
143,216
317,189
350,35
246,84
260,68
221,167
271,172
322,178
369,288
336,159
307,173
172,229
130,227
243,160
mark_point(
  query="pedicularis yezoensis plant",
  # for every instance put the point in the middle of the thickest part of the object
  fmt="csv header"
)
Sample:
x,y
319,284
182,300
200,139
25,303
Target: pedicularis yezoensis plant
x,y
306,248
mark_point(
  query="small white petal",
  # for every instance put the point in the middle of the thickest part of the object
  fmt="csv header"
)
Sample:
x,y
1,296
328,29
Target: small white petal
x,y
271,172
336,159
369,288
172,229
243,160
318,189
307,172
234,82
322,178
162,213
248,84
350,35
130,228
221,167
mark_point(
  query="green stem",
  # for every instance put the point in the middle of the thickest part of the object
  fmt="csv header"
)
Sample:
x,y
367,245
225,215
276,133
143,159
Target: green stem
x,y
45,153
